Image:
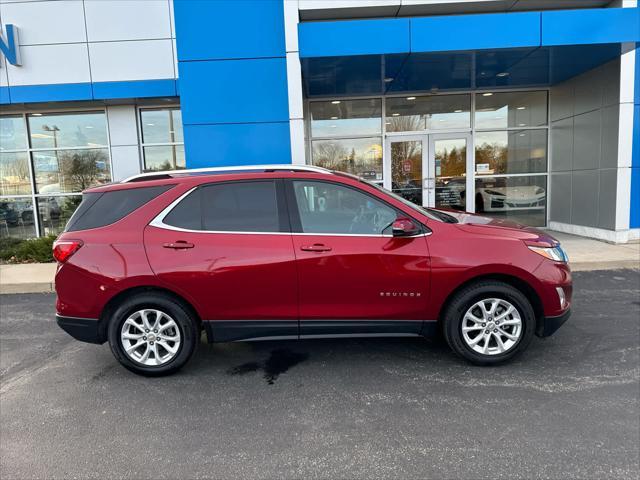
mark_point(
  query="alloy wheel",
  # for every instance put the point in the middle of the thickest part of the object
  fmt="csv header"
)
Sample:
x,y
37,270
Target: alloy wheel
x,y
492,326
150,337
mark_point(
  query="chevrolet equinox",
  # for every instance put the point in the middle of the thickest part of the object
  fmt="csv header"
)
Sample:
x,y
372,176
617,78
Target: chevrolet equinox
x,y
288,252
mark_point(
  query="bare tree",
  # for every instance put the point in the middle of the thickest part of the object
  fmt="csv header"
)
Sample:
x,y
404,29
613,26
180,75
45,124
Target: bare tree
x,y
80,169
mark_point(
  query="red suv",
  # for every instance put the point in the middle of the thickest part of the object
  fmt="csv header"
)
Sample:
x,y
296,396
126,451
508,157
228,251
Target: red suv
x,y
288,252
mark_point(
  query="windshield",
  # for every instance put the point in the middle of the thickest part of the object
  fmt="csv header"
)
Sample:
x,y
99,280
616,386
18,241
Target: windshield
x,y
430,212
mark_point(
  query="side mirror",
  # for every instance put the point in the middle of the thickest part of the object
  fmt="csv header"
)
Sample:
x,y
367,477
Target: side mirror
x,y
404,227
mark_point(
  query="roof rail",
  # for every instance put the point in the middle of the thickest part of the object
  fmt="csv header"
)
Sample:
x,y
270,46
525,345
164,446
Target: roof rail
x,y
259,168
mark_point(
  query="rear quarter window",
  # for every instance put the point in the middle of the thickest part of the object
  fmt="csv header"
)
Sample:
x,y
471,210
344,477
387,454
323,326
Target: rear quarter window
x,y
104,208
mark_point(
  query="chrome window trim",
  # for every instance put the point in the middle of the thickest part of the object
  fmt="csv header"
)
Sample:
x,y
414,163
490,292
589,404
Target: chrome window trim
x,y
158,222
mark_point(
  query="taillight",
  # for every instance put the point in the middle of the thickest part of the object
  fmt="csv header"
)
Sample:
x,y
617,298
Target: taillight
x,y
63,249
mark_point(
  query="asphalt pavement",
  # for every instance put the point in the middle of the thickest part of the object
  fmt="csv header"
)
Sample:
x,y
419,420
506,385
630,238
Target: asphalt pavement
x,y
351,408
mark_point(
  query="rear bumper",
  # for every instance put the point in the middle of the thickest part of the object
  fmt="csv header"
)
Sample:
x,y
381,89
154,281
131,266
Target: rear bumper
x,y
83,329
548,325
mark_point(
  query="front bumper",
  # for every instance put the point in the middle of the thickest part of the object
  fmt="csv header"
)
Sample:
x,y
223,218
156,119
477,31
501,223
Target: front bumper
x,y
548,325
83,329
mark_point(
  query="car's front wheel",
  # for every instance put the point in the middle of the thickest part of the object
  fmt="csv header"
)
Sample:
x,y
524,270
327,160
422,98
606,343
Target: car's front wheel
x,y
489,322
152,334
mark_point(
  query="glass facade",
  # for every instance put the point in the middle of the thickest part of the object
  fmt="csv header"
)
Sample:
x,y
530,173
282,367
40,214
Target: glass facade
x,y
511,155
435,112
46,160
509,131
162,139
360,156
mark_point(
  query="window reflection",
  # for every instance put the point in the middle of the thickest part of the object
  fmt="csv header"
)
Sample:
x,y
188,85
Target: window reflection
x,y
511,110
406,170
16,218
434,112
14,173
346,117
164,157
68,130
55,212
161,126
522,199
511,152
361,156
55,150
67,171
451,169
13,133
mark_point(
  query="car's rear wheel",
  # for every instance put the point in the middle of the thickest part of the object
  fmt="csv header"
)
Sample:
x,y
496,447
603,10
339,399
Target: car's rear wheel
x,y
152,334
489,322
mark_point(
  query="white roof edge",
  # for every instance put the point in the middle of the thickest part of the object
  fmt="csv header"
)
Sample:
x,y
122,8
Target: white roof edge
x,y
293,168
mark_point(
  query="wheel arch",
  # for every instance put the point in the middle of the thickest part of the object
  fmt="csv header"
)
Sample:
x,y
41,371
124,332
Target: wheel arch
x,y
120,297
525,288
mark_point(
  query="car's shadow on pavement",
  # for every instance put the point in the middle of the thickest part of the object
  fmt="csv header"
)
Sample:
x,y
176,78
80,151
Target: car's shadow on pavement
x,y
270,359
322,359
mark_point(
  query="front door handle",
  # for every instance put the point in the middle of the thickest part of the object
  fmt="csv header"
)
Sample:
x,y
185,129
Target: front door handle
x,y
179,245
316,247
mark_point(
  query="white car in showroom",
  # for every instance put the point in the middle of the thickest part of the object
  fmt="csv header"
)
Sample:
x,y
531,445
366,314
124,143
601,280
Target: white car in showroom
x,y
493,197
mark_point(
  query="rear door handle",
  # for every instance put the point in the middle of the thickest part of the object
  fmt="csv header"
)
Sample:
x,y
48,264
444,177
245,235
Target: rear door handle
x,y
179,245
316,247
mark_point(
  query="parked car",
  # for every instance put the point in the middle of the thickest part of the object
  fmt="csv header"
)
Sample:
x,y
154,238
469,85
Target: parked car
x,y
8,214
500,197
296,252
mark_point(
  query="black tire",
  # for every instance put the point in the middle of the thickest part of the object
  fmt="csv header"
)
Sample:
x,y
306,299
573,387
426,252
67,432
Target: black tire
x,y
188,326
468,296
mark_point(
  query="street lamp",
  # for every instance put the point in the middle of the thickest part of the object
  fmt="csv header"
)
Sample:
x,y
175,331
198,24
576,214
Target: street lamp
x,y
55,131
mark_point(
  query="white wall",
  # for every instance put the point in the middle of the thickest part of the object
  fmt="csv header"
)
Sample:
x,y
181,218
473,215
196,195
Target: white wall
x,y
78,41
123,140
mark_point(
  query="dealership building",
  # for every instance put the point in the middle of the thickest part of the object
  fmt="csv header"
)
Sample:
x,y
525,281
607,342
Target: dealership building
x,y
525,110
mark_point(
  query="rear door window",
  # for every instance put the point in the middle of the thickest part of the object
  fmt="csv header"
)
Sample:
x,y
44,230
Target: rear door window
x,y
230,207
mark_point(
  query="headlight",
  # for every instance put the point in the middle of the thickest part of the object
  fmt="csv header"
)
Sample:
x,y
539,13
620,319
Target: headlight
x,y
557,254
493,192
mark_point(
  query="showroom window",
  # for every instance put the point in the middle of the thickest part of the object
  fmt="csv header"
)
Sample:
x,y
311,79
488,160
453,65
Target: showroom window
x,y
347,136
510,136
433,112
46,160
511,133
162,139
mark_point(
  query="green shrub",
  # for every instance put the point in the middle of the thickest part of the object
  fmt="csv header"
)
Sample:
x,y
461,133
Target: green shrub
x,y
33,250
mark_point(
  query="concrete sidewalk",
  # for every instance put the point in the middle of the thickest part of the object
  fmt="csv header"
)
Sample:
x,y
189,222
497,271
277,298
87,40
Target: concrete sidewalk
x,y
589,254
584,254
27,277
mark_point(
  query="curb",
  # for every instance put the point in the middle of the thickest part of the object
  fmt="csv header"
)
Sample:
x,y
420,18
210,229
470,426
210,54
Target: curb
x,y
611,265
42,287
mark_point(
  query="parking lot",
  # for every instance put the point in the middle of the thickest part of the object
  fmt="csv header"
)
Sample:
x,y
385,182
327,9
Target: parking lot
x,y
353,408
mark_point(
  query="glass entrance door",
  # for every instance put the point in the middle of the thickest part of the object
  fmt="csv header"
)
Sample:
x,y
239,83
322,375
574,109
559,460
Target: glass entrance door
x,y
430,170
449,159
406,167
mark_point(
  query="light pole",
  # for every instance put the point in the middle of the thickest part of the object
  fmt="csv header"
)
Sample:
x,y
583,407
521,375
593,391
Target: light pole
x,y
54,129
